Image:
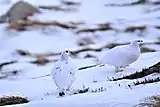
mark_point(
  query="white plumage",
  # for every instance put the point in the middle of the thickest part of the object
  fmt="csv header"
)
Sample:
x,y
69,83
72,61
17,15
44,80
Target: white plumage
x,y
63,73
121,56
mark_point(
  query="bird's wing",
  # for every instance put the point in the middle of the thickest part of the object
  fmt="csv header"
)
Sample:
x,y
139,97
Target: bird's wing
x,y
63,74
56,68
126,54
112,56
71,67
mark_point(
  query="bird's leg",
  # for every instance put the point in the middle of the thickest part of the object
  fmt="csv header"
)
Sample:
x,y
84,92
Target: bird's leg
x,y
69,87
117,69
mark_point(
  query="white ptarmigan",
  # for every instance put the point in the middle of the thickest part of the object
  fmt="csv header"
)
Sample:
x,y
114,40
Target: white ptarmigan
x,y
63,73
121,56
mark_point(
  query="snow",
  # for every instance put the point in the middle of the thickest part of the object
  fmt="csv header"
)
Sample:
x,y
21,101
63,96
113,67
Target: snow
x,y
42,91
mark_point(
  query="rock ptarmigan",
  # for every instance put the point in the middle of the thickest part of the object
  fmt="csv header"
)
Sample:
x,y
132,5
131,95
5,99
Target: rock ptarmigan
x,y
122,56
63,73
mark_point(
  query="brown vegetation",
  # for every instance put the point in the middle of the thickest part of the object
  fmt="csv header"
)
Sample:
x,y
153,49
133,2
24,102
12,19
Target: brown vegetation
x,y
29,23
57,8
10,100
93,30
70,3
92,47
134,28
138,2
153,101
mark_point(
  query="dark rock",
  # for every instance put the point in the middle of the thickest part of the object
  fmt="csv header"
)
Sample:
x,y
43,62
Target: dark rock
x,y
153,69
146,81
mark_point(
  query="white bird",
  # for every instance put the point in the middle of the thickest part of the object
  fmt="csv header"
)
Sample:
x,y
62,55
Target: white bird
x,y
122,56
63,73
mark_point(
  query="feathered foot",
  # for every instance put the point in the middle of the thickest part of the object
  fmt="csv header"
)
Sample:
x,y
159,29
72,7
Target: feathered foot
x,y
124,66
118,70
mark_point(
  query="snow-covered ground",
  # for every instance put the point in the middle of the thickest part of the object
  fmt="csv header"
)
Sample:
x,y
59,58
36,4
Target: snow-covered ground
x,y
42,91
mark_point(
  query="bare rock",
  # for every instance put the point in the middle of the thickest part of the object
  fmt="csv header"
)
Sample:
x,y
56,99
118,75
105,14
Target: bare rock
x,y
19,11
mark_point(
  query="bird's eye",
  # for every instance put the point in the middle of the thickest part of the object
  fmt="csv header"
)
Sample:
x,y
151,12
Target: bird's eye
x,y
67,51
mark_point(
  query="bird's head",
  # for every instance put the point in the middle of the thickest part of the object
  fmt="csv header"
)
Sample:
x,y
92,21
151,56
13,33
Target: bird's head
x,y
65,55
137,42
68,53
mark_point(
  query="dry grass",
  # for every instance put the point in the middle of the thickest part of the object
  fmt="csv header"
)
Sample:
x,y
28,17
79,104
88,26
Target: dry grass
x,y
146,81
23,53
10,100
138,2
33,23
41,61
153,101
93,30
6,63
145,49
70,3
36,55
135,28
156,101
57,8
92,47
